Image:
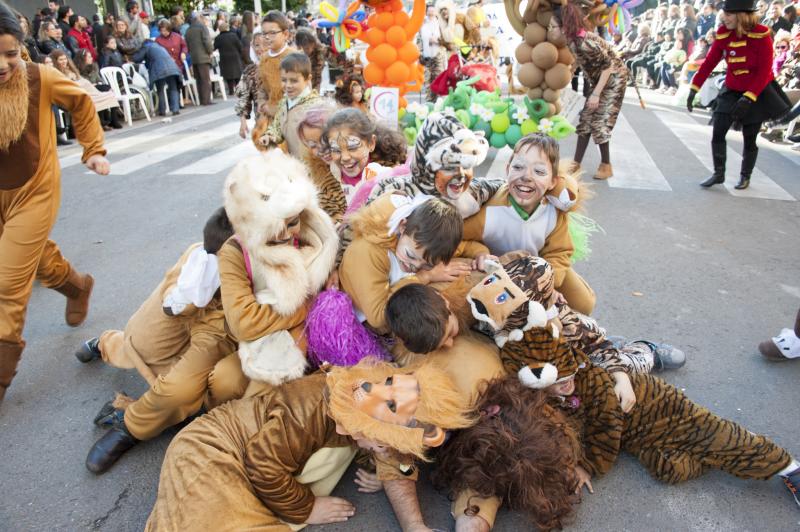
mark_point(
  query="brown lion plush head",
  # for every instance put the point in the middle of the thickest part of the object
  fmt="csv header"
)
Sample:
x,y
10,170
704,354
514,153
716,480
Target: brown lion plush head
x,y
517,295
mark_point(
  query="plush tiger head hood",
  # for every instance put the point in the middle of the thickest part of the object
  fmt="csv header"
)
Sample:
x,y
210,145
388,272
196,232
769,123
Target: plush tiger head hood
x,y
517,295
444,143
261,193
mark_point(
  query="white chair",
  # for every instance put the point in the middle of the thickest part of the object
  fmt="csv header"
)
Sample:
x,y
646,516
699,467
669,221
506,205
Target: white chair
x,y
217,78
190,84
118,82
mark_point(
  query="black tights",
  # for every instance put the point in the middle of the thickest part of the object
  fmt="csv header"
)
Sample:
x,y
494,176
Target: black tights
x,y
723,122
583,143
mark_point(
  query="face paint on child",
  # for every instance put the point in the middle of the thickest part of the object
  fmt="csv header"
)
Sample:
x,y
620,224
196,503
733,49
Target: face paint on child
x,y
410,254
349,151
312,140
451,183
530,176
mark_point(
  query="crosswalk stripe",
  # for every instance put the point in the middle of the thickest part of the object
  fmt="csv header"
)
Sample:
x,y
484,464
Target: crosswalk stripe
x,y
633,165
219,161
177,145
153,133
696,137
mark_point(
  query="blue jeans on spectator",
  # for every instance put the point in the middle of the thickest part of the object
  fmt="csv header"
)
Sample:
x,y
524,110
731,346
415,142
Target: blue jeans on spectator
x,y
668,76
171,83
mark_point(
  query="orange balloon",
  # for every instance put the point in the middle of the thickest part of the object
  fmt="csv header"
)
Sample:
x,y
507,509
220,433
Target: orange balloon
x,y
398,73
374,37
408,53
371,20
370,54
373,74
396,36
401,18
403,102
384,55
384,21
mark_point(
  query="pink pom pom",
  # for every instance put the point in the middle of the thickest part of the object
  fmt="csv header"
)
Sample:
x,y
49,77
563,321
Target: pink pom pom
x,y
335,335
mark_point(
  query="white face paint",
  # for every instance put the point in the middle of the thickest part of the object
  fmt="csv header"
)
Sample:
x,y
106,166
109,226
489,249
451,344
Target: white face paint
x,y
529,176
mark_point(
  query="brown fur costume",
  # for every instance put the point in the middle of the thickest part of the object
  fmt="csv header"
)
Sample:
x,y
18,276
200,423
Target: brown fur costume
x,y
519,438
440,405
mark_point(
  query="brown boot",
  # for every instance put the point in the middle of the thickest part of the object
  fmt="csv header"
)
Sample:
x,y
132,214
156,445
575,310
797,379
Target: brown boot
x,y
604,171
77,289
10,353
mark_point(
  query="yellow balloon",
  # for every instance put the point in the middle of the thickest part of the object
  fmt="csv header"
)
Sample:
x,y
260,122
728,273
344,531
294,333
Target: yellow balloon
x,y
327,10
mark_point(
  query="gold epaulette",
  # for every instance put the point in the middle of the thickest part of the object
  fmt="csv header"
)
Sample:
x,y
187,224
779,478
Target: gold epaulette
x,y
754,35
722,35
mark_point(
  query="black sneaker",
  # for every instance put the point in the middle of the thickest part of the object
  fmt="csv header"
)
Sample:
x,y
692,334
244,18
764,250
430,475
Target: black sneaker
x,y
89,351
792,481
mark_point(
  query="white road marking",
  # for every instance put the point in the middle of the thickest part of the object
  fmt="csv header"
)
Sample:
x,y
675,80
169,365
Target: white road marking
x,y
696,138
632,163
116,147
178,144
219,161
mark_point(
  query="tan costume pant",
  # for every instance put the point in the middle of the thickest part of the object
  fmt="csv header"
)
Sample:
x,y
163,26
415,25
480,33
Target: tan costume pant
x,y
578,293
469,503
175,355
27,215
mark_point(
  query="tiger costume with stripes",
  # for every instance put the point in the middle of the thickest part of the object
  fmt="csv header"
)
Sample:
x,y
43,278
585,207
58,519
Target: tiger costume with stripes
x,y
673,437
445,143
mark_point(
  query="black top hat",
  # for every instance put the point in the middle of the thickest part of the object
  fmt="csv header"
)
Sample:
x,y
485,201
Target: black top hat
x,y
738,6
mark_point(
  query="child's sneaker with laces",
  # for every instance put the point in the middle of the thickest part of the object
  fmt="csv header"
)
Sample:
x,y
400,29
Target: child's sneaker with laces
x,y
792,481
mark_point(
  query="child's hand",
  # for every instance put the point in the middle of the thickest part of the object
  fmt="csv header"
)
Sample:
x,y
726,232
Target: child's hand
x,y
624,390
368,482
445,272
480,261
243,130
333,281
584,479
330,510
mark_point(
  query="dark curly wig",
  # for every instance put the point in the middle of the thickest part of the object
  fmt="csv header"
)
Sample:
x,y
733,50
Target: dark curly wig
x,y
522,450
344,90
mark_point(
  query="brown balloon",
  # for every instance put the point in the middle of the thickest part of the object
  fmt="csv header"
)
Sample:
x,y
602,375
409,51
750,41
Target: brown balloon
x,y
530,75
523,53
565,56
544,55
534,34
558,76
551,96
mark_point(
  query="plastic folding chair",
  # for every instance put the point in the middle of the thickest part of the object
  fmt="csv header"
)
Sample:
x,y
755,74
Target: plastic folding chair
x,y
118,81
217,78
190,84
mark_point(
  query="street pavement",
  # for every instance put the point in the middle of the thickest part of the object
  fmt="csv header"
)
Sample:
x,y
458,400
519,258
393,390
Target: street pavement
x,y
713,272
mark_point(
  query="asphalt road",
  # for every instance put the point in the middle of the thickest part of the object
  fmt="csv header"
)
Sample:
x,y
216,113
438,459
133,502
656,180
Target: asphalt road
x,y
705,270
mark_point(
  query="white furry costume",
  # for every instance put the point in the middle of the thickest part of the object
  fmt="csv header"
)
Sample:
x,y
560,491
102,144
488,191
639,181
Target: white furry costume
x,y
261,193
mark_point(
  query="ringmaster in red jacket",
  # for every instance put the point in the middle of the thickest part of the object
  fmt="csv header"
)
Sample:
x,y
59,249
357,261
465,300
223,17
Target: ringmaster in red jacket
x,y
750,95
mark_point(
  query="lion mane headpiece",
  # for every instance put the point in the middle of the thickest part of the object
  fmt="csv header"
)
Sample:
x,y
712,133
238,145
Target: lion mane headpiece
x,y
261,193
441,407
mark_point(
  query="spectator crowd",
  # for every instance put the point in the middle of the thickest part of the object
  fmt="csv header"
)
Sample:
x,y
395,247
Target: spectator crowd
x,y
665,46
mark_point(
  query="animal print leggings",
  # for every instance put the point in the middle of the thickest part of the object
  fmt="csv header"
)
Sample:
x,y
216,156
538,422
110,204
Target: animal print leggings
x,y
678,440
600,122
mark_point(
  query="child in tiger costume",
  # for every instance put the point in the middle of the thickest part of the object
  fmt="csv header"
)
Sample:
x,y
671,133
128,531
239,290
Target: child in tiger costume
x,y
673,437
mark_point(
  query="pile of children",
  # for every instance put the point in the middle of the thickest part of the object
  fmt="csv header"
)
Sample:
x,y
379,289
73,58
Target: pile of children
x,y
477,303
465,281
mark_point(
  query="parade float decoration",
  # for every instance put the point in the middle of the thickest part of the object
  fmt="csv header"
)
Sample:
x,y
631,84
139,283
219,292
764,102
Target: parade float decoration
x,y
619,15
392,55
347,21
503,121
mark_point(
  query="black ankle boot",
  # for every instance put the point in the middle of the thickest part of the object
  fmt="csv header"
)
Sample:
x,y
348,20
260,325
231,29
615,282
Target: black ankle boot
x,y
108,449
116,115
718,154
748,163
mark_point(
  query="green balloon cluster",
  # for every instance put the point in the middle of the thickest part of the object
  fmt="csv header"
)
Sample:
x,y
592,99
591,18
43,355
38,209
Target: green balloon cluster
x,y
502,120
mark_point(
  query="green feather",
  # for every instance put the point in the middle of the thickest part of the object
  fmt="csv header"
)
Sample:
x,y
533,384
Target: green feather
x,y
580,229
